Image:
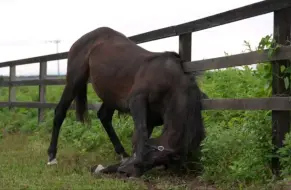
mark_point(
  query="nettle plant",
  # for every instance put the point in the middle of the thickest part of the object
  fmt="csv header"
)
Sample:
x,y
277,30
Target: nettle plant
x,y
264,70
269,43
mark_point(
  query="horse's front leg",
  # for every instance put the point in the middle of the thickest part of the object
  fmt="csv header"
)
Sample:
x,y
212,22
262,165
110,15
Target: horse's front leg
x,y
138,109
135,136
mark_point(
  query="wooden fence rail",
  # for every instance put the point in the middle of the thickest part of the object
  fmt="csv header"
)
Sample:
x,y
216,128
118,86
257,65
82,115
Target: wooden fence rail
x,y
280,103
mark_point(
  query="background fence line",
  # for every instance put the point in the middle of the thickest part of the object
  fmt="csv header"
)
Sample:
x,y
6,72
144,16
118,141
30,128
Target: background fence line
x,y
279,103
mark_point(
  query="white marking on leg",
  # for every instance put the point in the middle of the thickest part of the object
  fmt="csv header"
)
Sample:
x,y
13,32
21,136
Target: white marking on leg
x,y
54,161
99,168
124,159
134,156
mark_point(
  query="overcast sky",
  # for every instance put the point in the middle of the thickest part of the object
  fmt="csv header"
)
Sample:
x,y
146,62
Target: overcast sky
x,y
28,25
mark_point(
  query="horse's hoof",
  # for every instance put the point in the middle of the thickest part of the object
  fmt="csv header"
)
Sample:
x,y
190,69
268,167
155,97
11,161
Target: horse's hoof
x,y
52,162
98,169
124,157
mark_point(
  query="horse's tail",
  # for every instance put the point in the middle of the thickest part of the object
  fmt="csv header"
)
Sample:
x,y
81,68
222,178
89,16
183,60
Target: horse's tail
x,y
81,96
82,103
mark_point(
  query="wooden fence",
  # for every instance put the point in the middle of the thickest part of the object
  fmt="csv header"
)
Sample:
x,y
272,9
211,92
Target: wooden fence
x,y
279,103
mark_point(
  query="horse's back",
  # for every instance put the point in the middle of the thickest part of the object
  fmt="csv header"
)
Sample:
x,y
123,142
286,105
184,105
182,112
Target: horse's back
x,y
82,47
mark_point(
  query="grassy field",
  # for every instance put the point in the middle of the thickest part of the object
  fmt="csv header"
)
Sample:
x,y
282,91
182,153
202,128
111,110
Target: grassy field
x,y
23,166
235,154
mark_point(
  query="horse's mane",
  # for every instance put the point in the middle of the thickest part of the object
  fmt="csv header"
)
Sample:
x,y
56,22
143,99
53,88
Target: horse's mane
x,y
194,116
192,120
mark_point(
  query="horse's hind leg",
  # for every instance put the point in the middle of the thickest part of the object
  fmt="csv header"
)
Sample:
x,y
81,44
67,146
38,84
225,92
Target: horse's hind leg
x,y
105,115
60,114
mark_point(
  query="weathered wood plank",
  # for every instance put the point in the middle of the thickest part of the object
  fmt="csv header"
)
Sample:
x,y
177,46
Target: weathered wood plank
x,y
273,103
35,82
44,58
280,119
201,65
248,11
250,58
42,105
237,60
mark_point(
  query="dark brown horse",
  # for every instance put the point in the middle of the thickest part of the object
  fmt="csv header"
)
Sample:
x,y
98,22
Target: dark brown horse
x,y
151,86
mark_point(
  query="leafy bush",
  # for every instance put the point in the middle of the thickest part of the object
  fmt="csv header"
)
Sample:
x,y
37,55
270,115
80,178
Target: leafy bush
x,y
237,147
285,156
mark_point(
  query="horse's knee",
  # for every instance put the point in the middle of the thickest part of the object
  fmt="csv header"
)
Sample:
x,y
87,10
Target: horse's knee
x,y
134,140
104,114
60,114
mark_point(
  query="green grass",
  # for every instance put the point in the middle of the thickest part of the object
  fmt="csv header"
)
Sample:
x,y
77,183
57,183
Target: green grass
x,y
235,154
23,166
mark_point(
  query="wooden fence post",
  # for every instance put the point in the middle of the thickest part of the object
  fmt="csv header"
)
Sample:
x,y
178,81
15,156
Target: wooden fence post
x,y
42,89
12,90
185,46
280,119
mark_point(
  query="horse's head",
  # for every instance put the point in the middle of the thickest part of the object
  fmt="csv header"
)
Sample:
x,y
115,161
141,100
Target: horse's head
x,y
183,128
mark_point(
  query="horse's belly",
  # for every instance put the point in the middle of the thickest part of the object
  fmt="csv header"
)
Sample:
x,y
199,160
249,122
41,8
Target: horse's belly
x,y
112,90
112,70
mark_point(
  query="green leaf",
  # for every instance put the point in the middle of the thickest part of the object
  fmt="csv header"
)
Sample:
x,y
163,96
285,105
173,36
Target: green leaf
x,y
287,70
270,53
267,86
282,68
